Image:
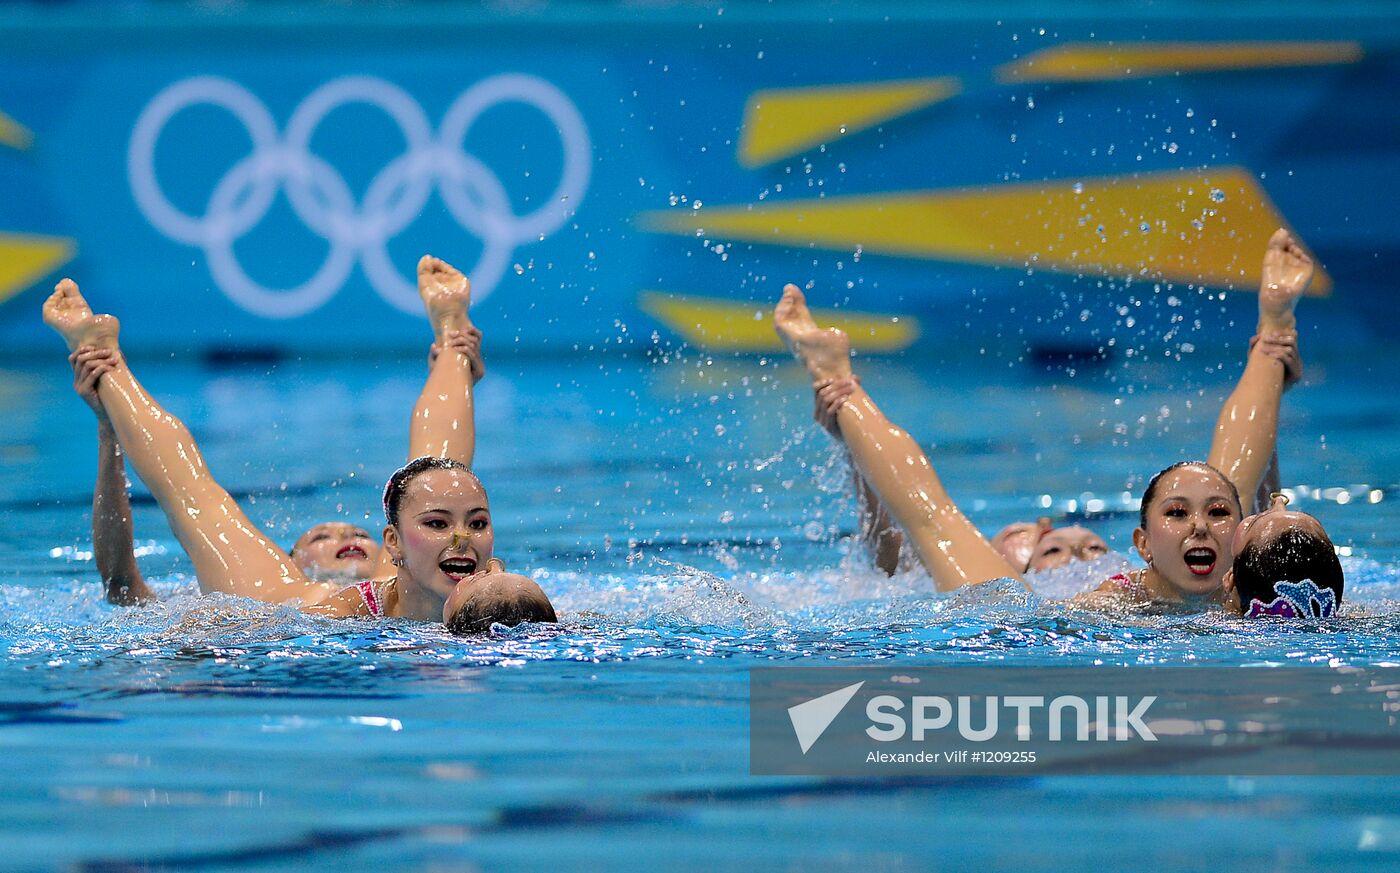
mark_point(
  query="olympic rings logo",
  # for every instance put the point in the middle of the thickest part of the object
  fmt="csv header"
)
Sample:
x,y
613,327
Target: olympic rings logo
x,y
321,198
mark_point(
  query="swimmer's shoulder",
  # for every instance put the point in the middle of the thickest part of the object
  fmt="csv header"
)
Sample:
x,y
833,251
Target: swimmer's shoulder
x,y
346,602
1117,591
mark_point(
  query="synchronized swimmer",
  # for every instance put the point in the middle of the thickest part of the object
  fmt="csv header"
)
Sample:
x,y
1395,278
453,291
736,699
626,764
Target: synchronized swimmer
x,y
438,542
1199,547
435,559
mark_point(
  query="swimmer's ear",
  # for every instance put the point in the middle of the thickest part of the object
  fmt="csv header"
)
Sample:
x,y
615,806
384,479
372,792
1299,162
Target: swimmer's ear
x,y
1232,597
392,545
1140,543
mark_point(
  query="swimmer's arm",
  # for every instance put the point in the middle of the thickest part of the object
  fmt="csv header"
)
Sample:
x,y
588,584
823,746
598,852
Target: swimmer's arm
x,y
112,534
332,603
881,536
878,531
1111,596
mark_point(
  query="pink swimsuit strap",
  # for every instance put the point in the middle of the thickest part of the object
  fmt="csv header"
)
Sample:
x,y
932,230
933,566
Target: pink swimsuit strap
x,y
1129,583
371,597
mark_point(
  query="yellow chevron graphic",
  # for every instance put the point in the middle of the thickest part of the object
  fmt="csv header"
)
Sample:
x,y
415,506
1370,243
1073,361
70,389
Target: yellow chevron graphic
x,y
14,134
1086,62
784,121
728,325
25,258
1206,226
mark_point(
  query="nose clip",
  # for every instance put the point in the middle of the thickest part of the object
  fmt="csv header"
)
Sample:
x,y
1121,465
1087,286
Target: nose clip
x,y
1277,496
457,539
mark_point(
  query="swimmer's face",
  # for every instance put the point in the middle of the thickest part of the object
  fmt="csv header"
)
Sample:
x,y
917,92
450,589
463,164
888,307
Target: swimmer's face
x,y
336,549
1265,527
1016,542
1190,526
1063,545
444,533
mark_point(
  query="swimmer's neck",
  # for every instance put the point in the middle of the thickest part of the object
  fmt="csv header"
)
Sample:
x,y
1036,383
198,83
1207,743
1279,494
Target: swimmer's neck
x,y
1163,591
404,599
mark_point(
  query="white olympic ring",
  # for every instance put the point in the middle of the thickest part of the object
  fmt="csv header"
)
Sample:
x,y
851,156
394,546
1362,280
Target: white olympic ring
x,y
322,199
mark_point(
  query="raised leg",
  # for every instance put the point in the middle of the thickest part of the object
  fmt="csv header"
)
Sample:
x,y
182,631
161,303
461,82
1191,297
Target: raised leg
x,y
444,423
230,554
1246,433
952,550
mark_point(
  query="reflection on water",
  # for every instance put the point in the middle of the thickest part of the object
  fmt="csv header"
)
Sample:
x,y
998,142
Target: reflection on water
x,y
690,523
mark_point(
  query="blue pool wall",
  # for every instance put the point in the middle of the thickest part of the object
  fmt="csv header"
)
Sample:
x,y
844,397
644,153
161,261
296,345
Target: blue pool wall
x,y
643,116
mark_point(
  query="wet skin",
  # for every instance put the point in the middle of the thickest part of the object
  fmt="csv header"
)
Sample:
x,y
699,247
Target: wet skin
x,y
336,549
1266,526
1059,546
444,536
1187,541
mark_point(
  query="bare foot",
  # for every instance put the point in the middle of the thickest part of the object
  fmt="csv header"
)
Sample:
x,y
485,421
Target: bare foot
x,y
446,293
68,313
826,352
1287,271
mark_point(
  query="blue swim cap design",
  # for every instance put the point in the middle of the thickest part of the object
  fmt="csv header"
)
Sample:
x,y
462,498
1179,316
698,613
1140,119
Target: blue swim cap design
x,y
1296,600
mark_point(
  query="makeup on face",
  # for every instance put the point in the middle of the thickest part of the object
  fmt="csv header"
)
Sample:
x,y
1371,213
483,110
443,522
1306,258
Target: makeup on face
x,y
336,548
445,531
1189,530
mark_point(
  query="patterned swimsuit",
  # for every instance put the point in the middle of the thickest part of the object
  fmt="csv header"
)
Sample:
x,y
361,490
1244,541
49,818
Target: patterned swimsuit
x,y
372,601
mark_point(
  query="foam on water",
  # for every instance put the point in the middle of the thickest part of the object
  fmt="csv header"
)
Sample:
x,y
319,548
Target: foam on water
x,y
671,610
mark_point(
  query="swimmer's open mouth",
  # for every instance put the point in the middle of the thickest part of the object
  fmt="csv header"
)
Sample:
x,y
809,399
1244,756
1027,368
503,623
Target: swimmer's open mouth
x,y
458,569
352,552
1200,561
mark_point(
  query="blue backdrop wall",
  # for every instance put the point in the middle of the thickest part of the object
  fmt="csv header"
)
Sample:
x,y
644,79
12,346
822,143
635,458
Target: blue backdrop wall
x,y
615,178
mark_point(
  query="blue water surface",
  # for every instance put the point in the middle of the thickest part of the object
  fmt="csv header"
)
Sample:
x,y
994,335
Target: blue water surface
x,y
691,523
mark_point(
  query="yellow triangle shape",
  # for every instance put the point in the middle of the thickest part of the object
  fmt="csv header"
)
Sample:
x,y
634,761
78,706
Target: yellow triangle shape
x,y
25,258
732,326
1083,62
784,121
14,134
1201,226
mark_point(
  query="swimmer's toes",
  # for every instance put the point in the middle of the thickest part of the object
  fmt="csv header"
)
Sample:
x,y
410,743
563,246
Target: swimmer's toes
x,y
69,314
791,317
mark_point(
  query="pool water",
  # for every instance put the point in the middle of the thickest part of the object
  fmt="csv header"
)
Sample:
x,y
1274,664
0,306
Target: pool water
x,y
691,523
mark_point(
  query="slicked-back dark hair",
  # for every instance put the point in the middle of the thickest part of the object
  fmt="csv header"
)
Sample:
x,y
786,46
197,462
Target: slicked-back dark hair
x,y
1291,556
510,609
1152,484
399,482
